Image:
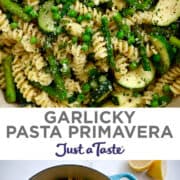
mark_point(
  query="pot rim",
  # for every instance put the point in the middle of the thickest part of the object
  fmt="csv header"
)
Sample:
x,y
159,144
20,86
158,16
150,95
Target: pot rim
x,y
68,165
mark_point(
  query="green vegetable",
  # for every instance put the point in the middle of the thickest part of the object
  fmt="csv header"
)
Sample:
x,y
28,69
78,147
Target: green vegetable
x,y
140,4
101,92
133,65
56,16
88,16
80,18
15,9
53,92
156,58
85,47
74,40
165,51
144,59
45,19
14,25
86,37
54,9
33,40
107,35
175,41
138,78
166,88
131,39
117,18
154,103
72,13
56,75
86,88
10,93
120,34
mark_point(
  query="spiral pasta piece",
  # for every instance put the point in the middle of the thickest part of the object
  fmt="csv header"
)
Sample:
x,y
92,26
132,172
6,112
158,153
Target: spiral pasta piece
x,y
72,86
122,66
99,46
61,47
11,37
83,9
33,69
175,87
31,30
167,78
125,49
139,17
119,4
79,62
4,23
157,87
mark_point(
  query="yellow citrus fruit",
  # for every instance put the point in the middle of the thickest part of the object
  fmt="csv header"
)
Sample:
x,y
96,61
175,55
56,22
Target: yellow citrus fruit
x,y
157,170
140,165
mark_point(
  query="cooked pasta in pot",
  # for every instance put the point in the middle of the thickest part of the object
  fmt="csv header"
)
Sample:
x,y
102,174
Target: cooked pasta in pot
x,y
91,53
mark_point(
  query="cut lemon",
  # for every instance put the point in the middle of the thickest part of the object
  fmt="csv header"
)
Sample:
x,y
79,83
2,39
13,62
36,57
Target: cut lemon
x,y
140,165
157,170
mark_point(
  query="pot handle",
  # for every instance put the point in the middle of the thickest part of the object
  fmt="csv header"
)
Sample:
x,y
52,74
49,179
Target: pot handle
x,y
123,175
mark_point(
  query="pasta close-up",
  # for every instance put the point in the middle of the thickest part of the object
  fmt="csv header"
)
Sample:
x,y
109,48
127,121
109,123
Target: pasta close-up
x,y
90,53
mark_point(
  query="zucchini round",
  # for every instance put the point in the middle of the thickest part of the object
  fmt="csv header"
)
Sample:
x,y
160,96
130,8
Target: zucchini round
x,y
138,78
165,51
45,18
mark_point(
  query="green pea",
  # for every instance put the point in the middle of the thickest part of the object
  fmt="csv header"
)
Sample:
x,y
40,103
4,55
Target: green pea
x,y
54,9
156,58
56,16
125,28
80,97
72,13
166,88
85,47
90,4
86,38
88,16
131,39
120,34
33,14
28,9
33,40
65,61
117,17
80,18
14,25
154,103
74,40
133,65
155,96
88,30
86,88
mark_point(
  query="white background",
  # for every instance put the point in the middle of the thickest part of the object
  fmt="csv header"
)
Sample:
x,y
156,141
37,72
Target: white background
x,y
22,170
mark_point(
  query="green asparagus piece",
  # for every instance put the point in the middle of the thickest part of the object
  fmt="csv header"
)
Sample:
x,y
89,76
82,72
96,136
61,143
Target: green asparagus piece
x,y
57,76
53,92
15,9
10,93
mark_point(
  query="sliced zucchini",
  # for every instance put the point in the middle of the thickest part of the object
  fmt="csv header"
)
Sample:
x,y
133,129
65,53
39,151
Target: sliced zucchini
x,y
165,51
138,78
166,12
45,18
101,92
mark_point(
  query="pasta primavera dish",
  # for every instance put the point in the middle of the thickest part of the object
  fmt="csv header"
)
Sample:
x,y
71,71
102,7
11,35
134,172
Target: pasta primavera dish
x,y
91,53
